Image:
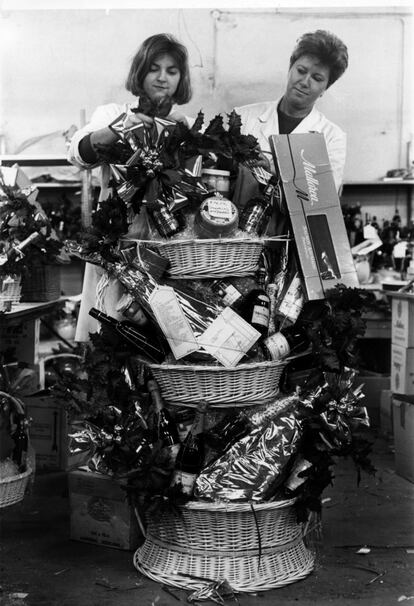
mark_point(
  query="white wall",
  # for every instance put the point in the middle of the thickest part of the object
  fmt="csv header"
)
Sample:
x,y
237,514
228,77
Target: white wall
x,y
56,62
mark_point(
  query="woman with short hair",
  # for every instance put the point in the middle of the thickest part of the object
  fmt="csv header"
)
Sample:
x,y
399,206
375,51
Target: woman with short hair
x,y
317,61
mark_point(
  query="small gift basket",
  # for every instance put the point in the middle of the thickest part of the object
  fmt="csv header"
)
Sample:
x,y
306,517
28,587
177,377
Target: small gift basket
x,y
15,468
10,291
30,251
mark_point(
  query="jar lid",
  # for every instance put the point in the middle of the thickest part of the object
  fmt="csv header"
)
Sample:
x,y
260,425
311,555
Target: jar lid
x,y
214,171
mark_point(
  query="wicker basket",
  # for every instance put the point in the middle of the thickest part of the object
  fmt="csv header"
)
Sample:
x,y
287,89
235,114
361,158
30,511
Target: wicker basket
x,y
218,386
211,258
254,547
12,489
42,284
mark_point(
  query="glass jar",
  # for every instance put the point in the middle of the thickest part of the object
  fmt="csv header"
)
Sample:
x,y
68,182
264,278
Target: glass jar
x,y
216,180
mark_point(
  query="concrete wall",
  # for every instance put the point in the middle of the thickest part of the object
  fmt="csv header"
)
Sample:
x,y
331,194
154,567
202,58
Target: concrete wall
x,y
57,62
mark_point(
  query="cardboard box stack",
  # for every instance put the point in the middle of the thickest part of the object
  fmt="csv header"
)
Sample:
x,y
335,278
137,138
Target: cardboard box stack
x,y
402,382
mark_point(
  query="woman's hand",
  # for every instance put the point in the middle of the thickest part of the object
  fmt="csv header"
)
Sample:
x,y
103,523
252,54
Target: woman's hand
x,y
138,118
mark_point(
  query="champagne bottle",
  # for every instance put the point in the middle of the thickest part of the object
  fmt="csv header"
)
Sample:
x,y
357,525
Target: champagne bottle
x,y
165,432
149,346
190,457
255,309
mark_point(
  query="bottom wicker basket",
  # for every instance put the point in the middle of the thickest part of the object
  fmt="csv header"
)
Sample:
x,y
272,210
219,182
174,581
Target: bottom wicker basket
x,y
254,547
12,489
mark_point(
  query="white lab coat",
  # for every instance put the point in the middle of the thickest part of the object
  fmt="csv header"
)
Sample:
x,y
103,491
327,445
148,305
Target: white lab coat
x,y
261,120
102,117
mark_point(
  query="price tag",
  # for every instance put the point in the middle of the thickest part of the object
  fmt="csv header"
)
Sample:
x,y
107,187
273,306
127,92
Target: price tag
x,y
172,321
219,208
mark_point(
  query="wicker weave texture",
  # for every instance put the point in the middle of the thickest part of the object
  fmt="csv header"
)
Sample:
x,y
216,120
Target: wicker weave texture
x,y
217,385
43,284
12,489
253,549
212,258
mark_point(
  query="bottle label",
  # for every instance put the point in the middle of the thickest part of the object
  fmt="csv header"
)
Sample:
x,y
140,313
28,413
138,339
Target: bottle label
x,y
260,315
277,346
293,301
231,295
187,480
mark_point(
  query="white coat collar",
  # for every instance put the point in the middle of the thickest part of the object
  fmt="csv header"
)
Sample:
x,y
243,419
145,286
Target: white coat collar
x,y
269,123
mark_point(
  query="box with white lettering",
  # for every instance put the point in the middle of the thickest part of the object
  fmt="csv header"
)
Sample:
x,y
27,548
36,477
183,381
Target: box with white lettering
x,y
402,321
402,369
315,212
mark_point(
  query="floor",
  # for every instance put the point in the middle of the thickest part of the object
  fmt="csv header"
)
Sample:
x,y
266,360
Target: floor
x,y
41,566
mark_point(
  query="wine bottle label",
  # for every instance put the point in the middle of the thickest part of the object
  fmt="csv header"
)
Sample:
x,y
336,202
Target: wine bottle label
x,y
260,314
186,479
277,346
231,295
293,301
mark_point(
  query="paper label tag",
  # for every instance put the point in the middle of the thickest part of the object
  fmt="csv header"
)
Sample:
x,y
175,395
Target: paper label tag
x,y
219,208
172,321
228,338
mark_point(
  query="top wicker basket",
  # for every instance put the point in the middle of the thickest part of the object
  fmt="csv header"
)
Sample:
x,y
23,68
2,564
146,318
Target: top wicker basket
x,y
212,258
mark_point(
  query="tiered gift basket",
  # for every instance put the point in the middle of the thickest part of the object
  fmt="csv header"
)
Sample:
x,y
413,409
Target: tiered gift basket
x,y
213,321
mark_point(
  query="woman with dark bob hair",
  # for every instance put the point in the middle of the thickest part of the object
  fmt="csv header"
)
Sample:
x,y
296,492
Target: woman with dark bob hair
x,y
317,61
159,74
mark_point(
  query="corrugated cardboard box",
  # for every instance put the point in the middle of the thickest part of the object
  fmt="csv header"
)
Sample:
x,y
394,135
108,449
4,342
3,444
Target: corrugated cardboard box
x,y
402,322
315,212
48,430
100,512
403,413
402,369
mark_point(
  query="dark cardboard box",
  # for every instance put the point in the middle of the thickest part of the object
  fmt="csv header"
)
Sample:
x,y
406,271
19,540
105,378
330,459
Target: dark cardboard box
x,y
100,512
48,430
315,212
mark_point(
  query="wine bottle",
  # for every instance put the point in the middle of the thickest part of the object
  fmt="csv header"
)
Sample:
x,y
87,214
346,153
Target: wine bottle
x,y
228,293
21,443
165,433
226,432
190,457
294,337
149,346
255,309
289,339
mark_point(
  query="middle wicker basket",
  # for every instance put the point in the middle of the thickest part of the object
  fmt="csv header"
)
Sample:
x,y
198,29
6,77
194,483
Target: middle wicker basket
x,y
219,386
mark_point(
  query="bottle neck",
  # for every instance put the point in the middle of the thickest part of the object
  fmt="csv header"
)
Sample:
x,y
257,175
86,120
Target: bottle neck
x,y
102,317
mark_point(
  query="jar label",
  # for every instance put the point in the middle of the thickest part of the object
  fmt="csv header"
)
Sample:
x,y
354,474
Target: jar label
x,y
277,346
220,208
